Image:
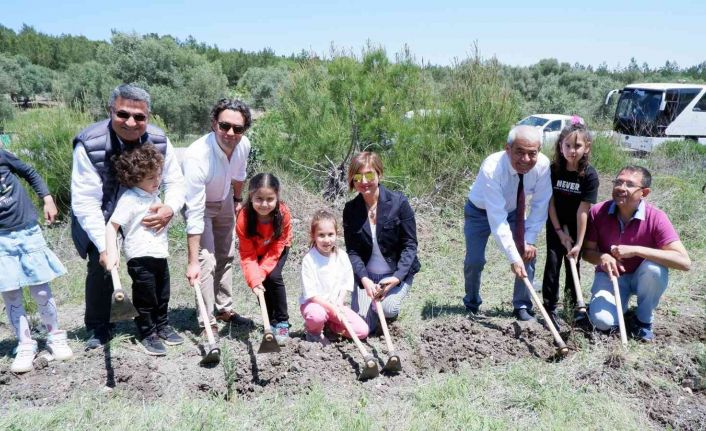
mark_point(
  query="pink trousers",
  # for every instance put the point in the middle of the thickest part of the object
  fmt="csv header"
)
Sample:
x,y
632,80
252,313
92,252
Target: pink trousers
x,y
316,318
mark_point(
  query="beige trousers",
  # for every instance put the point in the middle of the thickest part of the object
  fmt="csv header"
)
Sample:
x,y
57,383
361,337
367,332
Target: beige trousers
x,y
216,257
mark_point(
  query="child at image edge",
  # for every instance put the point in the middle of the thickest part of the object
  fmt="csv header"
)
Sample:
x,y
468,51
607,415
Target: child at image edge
x,y
327,277
145,249
575,189
265,234
25,260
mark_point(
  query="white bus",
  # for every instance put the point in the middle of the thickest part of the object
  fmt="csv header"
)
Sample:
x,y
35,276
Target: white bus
x,y
650,114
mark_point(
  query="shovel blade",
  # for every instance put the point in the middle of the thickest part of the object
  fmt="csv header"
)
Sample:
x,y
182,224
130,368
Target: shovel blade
x,y
121,309
212,357
268,344
369,370
393,365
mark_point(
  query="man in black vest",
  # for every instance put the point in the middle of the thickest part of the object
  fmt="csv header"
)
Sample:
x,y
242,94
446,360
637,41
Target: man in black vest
x,y
95,191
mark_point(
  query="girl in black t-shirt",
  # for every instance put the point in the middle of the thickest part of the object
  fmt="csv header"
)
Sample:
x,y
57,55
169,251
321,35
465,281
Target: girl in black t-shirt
x,y
575,189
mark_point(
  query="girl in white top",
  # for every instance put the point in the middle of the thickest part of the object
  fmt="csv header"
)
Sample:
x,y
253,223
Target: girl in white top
x,y
327,278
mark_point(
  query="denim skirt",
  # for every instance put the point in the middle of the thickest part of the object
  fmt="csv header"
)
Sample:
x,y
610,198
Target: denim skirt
x,y
25,259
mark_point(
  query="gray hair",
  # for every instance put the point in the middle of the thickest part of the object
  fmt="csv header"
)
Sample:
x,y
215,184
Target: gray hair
x,y
524,132
130,92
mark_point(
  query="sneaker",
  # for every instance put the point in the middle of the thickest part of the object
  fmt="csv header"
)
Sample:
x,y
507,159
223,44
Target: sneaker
x,y
169,336
58,346
101,336
214,329
24,357
321,338
152,345
522,314
233,317
642,331
281,331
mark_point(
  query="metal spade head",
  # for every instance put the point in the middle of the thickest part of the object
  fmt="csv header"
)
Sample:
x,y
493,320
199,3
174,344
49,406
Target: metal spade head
x,y
213,355
121,307
369,370
268,344
393,365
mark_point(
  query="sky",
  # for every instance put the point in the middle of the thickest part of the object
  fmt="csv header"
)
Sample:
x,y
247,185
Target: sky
x,y
438,32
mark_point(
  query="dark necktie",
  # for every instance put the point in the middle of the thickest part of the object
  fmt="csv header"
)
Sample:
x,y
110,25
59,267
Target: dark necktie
x,y
519,234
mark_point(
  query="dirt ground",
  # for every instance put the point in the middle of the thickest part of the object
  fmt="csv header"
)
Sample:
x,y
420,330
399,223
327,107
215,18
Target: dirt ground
x,y
442,346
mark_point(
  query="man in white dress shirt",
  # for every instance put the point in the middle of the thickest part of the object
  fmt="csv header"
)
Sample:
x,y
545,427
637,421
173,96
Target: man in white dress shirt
x,y
215,169
95,192
505,180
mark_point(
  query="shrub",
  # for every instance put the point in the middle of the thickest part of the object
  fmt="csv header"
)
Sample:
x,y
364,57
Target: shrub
x,y
43,139
607,156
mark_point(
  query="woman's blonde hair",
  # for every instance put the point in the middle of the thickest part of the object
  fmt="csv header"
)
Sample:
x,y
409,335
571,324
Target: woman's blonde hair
x,y
361,160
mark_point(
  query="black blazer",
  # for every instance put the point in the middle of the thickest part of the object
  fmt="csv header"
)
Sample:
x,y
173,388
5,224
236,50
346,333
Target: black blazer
x,y
396,235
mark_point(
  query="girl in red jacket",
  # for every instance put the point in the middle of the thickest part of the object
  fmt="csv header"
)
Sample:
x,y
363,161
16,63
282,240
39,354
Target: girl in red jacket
x,y
265,233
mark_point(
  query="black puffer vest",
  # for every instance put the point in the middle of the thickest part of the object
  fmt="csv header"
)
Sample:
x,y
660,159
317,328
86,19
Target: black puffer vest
x,y
101,143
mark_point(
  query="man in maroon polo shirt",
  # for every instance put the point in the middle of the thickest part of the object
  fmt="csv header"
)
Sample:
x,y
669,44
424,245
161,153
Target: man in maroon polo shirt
x,y
636,242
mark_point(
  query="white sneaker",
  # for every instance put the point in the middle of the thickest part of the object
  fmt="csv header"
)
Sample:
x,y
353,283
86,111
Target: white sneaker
x,y
23,357
58,346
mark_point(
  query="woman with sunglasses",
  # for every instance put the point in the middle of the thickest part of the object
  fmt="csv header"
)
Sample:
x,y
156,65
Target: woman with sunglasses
x,y
381,240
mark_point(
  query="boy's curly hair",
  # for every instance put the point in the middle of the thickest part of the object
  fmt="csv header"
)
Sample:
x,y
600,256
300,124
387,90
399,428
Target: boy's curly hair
x,y
135,165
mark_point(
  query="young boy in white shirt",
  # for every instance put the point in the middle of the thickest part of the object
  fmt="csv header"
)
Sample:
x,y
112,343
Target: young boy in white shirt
x,y
140,170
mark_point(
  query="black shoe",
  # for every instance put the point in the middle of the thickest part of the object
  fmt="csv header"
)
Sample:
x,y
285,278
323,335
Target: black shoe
x,y
101,336
554,318
152,345
169,336
522,314
472,310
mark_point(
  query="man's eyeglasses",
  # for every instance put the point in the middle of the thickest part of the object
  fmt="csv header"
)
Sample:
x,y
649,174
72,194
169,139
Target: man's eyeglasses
x,y
628,184
237,129
124,115
369,176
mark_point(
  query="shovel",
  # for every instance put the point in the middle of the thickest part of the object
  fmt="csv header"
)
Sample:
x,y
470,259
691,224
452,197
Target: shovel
x,y
561,346
370,368
213,353
268,344
121,307
393,364
619,309
580,305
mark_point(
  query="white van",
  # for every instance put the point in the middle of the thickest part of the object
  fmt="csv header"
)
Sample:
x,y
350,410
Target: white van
x,y
549,126
649,114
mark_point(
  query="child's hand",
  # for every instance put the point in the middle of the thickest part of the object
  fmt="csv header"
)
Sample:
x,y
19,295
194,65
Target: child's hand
x,y
50,210
566,240
574,252
258,289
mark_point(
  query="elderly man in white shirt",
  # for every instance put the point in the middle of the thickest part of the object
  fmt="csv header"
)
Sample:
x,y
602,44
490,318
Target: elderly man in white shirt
x,y
95,192
215,169
506,179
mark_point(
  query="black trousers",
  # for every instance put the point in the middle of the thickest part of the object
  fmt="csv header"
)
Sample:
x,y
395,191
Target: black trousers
x,y
275,294
150,293
556,254
99,292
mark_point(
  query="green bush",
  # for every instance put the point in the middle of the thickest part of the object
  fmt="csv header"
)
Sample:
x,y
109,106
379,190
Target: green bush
x,y
607,156
327,112
43,139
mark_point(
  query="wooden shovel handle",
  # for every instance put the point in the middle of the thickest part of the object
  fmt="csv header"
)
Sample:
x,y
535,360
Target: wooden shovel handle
x,y
263,311
351,332
619,310
204,314
383,323
557,338
575,275
116,279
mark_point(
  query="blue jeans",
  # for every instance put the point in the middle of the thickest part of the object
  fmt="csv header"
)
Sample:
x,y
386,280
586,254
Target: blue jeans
x,y
648,283
476,229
